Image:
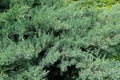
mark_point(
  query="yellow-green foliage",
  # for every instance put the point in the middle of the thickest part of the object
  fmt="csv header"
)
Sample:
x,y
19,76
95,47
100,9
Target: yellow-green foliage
x,y
97,4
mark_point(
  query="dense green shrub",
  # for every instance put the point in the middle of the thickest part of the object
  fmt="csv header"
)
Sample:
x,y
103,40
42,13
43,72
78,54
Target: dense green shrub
x,y
49,40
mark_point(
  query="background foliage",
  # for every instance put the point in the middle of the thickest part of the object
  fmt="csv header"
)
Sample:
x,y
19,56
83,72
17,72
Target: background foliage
x,y
59,40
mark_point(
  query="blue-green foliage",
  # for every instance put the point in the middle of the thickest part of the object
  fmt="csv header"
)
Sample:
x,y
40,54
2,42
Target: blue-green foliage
x,y
47,40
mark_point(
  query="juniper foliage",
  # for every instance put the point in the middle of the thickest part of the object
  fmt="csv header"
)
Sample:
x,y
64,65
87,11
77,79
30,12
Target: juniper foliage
x,y
49,40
